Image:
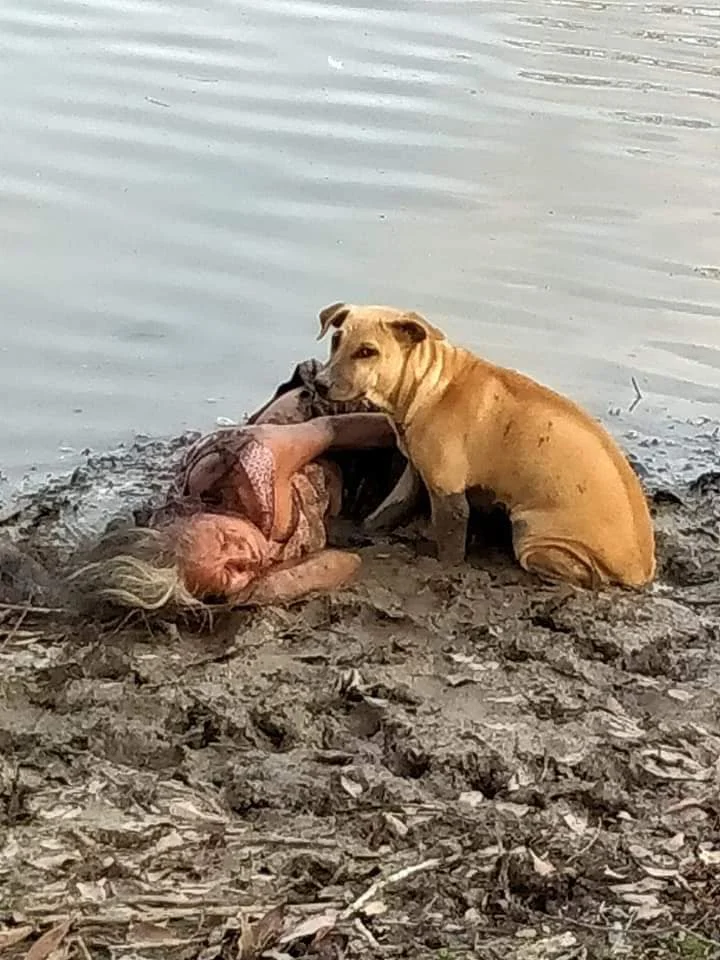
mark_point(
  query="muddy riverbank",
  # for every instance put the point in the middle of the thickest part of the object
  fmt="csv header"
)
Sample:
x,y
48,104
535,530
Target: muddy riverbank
x,y
425,765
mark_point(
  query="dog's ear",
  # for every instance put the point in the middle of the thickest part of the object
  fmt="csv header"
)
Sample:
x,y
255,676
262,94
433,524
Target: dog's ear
x,y
333,316
412,328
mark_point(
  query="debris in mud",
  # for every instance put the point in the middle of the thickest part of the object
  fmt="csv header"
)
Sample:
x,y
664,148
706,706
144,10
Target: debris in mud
x,y
426,765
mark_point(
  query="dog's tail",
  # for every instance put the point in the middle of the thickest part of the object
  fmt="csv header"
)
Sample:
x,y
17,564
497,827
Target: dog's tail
x,y
144,578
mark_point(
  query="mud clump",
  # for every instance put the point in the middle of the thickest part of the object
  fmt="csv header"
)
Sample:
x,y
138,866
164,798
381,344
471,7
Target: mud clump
x,y
426,765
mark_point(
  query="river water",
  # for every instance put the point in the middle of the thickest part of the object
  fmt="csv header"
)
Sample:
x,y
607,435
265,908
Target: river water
x,y
183,185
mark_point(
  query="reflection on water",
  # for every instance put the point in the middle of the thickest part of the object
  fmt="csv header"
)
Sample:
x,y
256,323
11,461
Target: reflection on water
x,y
185,184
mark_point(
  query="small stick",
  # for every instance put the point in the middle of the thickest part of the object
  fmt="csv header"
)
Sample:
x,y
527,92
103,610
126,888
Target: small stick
x,y
582,850
375,888
364,932
18,623
638,395
83,947
20,607
274,838
156,944
123,914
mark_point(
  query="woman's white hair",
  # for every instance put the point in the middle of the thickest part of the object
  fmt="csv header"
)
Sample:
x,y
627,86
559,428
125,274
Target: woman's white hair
x,y
145,576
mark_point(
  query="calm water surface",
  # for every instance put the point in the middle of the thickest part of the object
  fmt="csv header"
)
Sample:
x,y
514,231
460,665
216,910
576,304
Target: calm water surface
x,y
183,185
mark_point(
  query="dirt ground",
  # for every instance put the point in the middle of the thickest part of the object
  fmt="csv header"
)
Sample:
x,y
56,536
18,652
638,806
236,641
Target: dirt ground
x,y
424,765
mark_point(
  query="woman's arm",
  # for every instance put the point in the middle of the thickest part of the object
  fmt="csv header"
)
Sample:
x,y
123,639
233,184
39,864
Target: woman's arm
x,y
324,571
294,445
360,431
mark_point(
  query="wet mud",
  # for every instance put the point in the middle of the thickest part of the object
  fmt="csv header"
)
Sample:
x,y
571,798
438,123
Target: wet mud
x,y
424,765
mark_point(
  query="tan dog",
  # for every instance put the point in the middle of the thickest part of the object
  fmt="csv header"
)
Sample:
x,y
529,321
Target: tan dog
x,y
473,429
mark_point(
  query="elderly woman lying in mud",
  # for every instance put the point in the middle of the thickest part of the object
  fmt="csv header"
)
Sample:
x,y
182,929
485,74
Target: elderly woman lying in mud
x,y
246,519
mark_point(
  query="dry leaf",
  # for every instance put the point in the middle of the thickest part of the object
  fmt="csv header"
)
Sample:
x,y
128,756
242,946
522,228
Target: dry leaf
x,y
471,798
670,764
246,948
711,858
489,853
94,891
542,867
310,927
646,885
48,942
517,809
396,824
547,947
375,908
269,927
62,952
658,872
145,932
640,853
624,728
257,937
648,908
678,694
675,843
12,935
463,658
577,824
459,679
186,810
642,897
170,841
350,786
520,779
52,861
684,804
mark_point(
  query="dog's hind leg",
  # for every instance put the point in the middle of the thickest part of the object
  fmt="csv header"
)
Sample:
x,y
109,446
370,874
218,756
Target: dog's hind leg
x,y
558,559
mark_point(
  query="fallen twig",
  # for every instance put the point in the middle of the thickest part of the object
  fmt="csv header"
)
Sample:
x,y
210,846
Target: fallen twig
x,y
364,932
9,936
583,850
122,913
29,608
635,931
83,947
374,889
638,395
273,838
18,623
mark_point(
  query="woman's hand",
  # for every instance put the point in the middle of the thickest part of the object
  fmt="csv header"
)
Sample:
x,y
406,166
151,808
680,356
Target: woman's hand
x,y
327,570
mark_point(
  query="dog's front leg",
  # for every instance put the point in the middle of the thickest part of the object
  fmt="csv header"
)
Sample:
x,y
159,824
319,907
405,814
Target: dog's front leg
x,y
450,514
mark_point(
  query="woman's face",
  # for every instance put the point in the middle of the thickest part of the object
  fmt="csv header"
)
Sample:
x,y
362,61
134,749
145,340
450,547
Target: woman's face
x,y
220,555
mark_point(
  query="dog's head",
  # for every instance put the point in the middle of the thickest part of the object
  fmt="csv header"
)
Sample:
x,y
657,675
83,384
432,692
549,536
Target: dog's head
x,y
369,350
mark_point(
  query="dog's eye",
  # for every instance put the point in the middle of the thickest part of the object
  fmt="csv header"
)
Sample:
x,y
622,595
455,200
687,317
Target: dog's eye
x,y
365,352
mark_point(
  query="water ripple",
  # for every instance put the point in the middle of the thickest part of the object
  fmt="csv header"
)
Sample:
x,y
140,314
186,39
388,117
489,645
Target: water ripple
x,y
185,183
